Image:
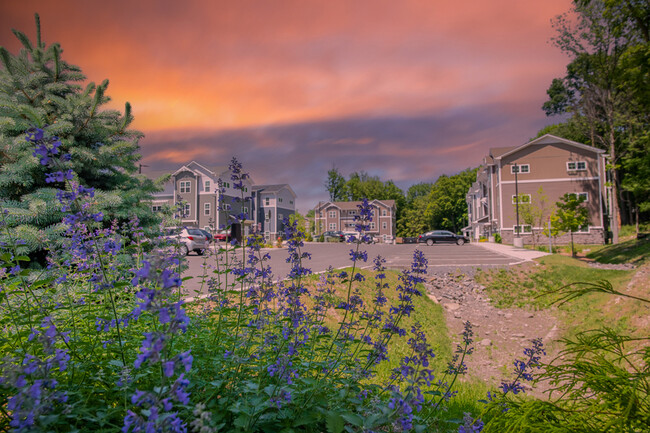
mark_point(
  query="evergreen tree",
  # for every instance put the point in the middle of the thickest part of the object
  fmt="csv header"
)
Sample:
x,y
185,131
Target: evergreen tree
x,y
39,89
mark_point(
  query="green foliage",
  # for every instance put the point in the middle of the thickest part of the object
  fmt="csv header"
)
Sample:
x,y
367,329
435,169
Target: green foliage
x,y
570,215
38,88
600,383
497,238
335,185
442,208
535,213
605,90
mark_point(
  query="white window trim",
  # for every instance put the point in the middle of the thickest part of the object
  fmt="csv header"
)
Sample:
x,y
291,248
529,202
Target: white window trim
x,y
384,225
207,185
578,194
523,232
187,210
583,231
332,226
332,214
514,201
207,209
576,166
519,166
185,186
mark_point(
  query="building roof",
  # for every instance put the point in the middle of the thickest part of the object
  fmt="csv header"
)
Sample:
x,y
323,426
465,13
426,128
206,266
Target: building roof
x,y
544,139
354,205
273,188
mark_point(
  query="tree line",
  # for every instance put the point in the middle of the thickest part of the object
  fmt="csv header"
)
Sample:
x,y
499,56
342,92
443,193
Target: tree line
x,y
605,94
425,206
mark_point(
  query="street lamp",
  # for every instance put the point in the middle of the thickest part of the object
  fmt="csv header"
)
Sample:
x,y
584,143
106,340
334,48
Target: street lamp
x,y
517,198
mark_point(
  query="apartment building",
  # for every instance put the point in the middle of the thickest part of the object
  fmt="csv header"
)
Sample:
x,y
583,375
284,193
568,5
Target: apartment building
x,y
555,164
271,205
339,216
195,188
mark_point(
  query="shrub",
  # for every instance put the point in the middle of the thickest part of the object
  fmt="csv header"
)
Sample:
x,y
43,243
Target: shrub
x,y
103,340
497,238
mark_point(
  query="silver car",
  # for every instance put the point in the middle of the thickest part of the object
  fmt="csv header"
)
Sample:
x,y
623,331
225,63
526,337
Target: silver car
x,y
189,239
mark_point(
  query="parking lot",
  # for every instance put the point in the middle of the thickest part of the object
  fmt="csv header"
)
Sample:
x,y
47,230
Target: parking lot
x,y
441,257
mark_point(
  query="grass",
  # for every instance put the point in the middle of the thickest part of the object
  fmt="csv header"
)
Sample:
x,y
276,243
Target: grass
x,y
635,251
533,285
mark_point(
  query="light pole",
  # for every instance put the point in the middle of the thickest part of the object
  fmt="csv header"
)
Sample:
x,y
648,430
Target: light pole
x,y
517,199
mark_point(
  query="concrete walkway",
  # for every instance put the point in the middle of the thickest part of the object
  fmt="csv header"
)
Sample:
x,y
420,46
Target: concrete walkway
x,y
522,254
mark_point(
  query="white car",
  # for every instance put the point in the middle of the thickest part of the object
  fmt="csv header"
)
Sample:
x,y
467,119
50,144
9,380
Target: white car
x,y
189,239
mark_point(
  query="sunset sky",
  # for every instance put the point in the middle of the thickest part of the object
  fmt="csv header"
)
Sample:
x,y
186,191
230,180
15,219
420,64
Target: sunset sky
x,y
403,89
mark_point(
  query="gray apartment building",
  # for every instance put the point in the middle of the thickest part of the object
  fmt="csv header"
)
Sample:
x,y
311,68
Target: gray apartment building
x,y
555,164
196,187
339,216
271,205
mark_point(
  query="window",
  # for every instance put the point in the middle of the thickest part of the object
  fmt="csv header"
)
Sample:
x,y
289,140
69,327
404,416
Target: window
x,y
332,226
522,229
524,199
576,166
186,186
384,225
332,214
206,209
207,186
583,229
372,225
352,212
581,195
290,201
320,214
267,201
280,199
280,216
383,212
187,210
268,215
520,168
156,208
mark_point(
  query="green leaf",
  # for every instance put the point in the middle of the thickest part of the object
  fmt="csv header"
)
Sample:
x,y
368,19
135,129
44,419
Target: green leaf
x,y
353,419
334,422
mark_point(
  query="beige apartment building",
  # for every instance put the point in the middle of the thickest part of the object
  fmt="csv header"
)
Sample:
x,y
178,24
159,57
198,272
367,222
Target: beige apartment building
x,y
339,216
555,164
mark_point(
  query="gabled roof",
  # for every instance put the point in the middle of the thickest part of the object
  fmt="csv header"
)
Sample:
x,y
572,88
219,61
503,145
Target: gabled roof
x,y
274,188
354,205
547,139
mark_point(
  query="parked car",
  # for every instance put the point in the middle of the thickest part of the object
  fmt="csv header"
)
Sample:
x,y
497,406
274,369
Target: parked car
x,y
442,236
189,239
208,235
334,235
222,235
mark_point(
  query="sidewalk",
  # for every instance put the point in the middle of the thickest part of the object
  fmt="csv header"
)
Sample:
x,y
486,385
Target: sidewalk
x,y
523,254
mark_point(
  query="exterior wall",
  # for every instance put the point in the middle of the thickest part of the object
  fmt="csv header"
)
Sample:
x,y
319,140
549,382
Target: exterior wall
x,y
343,219
188,197
548,169
593,236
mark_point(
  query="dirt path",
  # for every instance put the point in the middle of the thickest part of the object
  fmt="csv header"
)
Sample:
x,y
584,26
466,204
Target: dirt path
x,y
500,335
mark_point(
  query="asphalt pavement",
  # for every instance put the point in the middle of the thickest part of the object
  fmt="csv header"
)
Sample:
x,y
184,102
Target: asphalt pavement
x,y
441,258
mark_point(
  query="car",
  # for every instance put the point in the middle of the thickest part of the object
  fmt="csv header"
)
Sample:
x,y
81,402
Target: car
x,y
334,235
441,236
188,239
222,235
207,234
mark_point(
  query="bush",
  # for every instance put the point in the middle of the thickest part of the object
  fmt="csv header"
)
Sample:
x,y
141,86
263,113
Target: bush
x,y
497,238
103,340
321,238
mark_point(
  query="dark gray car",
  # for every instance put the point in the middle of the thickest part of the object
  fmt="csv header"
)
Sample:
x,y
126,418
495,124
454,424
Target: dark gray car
x,y
442,236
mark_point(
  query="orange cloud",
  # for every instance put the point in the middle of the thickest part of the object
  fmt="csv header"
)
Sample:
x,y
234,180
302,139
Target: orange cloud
x,y
217,64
